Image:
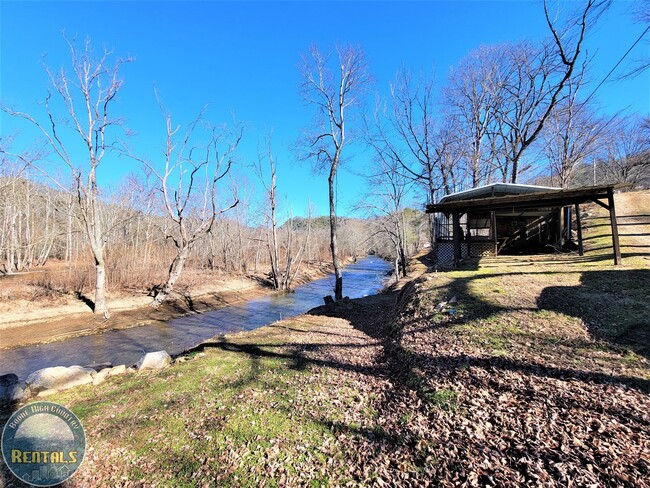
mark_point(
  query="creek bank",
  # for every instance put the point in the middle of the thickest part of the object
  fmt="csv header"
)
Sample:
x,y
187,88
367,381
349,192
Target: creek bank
x,y
49,381
182,334
55,329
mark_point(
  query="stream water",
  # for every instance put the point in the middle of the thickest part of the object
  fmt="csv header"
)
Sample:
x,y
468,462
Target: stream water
x,y
365,277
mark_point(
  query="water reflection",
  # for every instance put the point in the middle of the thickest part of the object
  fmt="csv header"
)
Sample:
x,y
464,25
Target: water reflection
x,y
365,277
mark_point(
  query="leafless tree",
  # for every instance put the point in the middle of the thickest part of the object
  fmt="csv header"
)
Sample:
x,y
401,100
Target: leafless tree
x,y
282,275
188,186
572,134
533,80
412,117
270,188
333,92
385,205
87,94
472,95
628,152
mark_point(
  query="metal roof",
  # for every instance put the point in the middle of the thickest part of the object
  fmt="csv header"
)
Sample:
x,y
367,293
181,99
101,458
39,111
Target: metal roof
x,y
496,190
544,198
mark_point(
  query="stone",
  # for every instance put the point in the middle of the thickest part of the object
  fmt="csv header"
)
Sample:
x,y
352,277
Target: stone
x,y
154,360
441,306
59,378
99,366
21,392
48,392
116,370
101,376
453,300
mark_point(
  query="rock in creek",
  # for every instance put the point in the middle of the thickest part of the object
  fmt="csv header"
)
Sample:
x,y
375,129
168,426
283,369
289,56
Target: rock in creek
x,y
154,360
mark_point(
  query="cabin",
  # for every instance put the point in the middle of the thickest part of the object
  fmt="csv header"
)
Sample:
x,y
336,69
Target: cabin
x,y
507,218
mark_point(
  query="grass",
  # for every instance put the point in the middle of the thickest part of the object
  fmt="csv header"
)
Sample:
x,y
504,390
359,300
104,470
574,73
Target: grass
x,y
221,415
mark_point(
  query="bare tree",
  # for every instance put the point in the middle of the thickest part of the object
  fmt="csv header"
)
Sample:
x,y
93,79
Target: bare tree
x,y
406,133
386,205
282,276
533,81
472,95
88,94
572,134
188,188
413,120
333,93
628,152
270,188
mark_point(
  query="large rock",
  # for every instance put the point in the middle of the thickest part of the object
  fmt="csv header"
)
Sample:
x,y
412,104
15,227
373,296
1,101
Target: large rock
x,y
59,378
154,360
99,366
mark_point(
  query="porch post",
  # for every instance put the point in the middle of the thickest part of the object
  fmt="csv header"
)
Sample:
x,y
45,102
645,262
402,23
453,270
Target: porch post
x,y
612,221
581,249
494,232
468,238
457,238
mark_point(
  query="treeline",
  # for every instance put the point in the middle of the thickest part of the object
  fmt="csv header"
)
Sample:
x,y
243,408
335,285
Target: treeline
x,y
516,112
39,223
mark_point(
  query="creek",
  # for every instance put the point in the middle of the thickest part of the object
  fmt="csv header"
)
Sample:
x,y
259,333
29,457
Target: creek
x,y
362,278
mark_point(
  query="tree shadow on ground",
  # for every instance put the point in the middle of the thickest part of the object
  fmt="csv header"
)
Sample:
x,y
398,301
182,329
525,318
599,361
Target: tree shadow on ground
x,y
613,304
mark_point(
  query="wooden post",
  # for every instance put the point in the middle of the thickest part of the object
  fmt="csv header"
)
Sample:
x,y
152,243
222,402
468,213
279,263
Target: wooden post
x,y
457,238
612,221
494,231
581,249
468,238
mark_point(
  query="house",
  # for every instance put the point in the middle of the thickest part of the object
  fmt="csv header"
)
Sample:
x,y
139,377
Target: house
x,y
506,218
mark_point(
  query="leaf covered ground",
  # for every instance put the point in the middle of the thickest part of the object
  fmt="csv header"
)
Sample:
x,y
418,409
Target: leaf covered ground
x,y
510,371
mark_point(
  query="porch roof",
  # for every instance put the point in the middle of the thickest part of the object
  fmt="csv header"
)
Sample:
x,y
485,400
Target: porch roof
x,y
545,198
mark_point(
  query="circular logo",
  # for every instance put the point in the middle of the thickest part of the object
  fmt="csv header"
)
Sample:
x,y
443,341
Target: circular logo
x,y
43,443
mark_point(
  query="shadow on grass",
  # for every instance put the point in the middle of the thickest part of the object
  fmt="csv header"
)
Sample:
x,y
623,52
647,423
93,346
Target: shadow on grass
x,y
612,303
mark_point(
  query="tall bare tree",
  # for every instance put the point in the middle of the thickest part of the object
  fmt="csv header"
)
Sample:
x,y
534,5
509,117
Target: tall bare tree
x,y
533,81
87,93
472,96
187,184
406,132
333,93
386,204
572,134
413,120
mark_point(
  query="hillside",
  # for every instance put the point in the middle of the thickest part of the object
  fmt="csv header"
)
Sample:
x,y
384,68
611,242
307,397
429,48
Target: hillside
x,y
509,371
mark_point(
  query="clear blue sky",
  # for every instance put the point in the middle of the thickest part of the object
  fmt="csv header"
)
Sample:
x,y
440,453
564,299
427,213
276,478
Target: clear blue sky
x,y
242,57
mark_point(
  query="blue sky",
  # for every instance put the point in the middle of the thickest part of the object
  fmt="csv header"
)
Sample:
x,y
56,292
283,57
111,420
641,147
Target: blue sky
x,y
243,57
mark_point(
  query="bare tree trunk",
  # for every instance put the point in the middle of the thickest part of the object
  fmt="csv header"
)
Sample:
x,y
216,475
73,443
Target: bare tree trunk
x,y
338,284
100,287
175,271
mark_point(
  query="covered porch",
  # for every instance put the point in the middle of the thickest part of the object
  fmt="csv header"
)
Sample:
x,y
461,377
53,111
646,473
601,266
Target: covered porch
x,y
476,223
